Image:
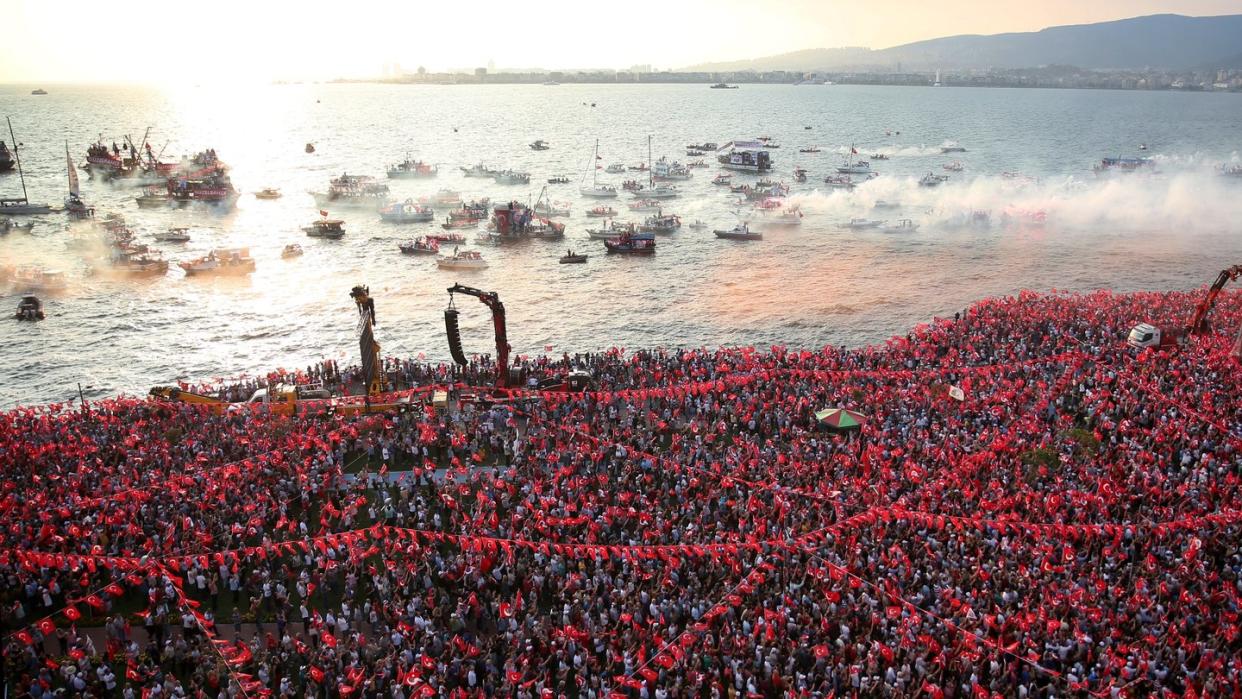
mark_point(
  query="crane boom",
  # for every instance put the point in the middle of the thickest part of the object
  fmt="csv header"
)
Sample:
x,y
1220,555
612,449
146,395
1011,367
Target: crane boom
x,y
492,301
372,368
1198,322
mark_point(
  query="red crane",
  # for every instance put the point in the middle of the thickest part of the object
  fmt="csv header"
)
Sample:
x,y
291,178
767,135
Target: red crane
x,y
1147,335
492,301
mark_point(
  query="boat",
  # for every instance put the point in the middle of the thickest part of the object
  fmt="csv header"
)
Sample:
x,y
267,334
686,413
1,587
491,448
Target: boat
x,y
267,193
746,156
446,237
330,228
631,244
611,229
955,166
154,197
596,190
20,207
310,148
6,158
1142,146
558,179
722,179
478,170
767,144
412,169
406,212
858,224
517,222
664,170
641,167
548,208
692,153
74,206
698,225
29,308
696,164
724,86
32,278
214,189
646,206
1124,165
981,219
951,147
632,186
774,215
905,225
8,224
539,145
740,232
220,262
660,223
931,179
141,265
173,235
291,250
812,149
881,204
570,258
462,259
879,156
653,190
355,191
601,212
489,239
615,169
799,174
511,177
421,246
855,167
38,91
1231,170
453,224
448,198
839,182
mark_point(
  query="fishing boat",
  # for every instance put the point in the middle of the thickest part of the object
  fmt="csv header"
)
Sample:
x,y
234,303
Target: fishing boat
x,y
722,179
154,197
539,145
215,189
291,250
601,212
931,179
745,156
220,262
6,158
406,212
905,225
855,167
858,224
20,207
353,191
478,170
32,278
518,222
511,177
740,232
549,208
446,237
142,265
267,193
955,166
839,182
558,179
421,246
462,259
615,169
29,308
412,169
724,86
646,206
660,223
571,258
664,170
330,228
611,229
173,235
811,149
596,190
658,191
631,244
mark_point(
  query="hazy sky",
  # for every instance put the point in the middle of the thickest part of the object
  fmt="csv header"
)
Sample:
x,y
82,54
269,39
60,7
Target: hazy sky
x,y
208,40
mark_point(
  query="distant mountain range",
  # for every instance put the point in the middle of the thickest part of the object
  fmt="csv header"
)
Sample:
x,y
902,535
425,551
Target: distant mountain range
x,y
1167,41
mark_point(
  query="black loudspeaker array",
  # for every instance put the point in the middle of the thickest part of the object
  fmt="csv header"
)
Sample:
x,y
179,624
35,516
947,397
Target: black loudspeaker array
x,y
454,336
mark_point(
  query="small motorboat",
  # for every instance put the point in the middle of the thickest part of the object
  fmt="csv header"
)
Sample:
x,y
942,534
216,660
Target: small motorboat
x,y
571,258
601,212
627,244
478,170
812,149
31,278
447,237
1142,146
952,148
558,179
660,223
641,167
611,229
697,164
31,308
173,235
931,179
598,191
905,225
839,182
452,224
858,224
856,167
38,91
511,177
740,232
539,145
225,261
421,246
153,198
615,169
632,186
799,174
955,166
550,209
406,212
881,204
291,250
310,147
462,259
8,224
722,179
330,228
267,193
646,206
140,265
698,225
879,156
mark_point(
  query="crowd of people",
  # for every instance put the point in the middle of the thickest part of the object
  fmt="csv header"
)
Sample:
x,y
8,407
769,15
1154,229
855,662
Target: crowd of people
x,y
1029,509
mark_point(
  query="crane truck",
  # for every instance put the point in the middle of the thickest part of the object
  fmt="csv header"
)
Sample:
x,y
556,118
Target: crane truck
x,y
1146,335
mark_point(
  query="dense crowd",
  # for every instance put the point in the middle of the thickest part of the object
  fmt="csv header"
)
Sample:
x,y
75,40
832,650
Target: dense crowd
x,y
1069,523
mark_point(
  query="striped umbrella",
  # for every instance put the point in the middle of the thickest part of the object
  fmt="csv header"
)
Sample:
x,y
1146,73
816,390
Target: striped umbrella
x,y
840,419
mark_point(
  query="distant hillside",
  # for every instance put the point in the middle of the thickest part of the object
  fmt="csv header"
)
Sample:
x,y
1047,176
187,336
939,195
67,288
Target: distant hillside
x,y
1156,41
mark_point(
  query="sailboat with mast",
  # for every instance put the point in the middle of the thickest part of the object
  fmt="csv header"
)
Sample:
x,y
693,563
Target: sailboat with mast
x,y
15,206
596,190
74,206
653,190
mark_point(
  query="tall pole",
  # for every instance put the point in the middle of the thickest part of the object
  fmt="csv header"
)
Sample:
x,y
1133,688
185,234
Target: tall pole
x,y
18,157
